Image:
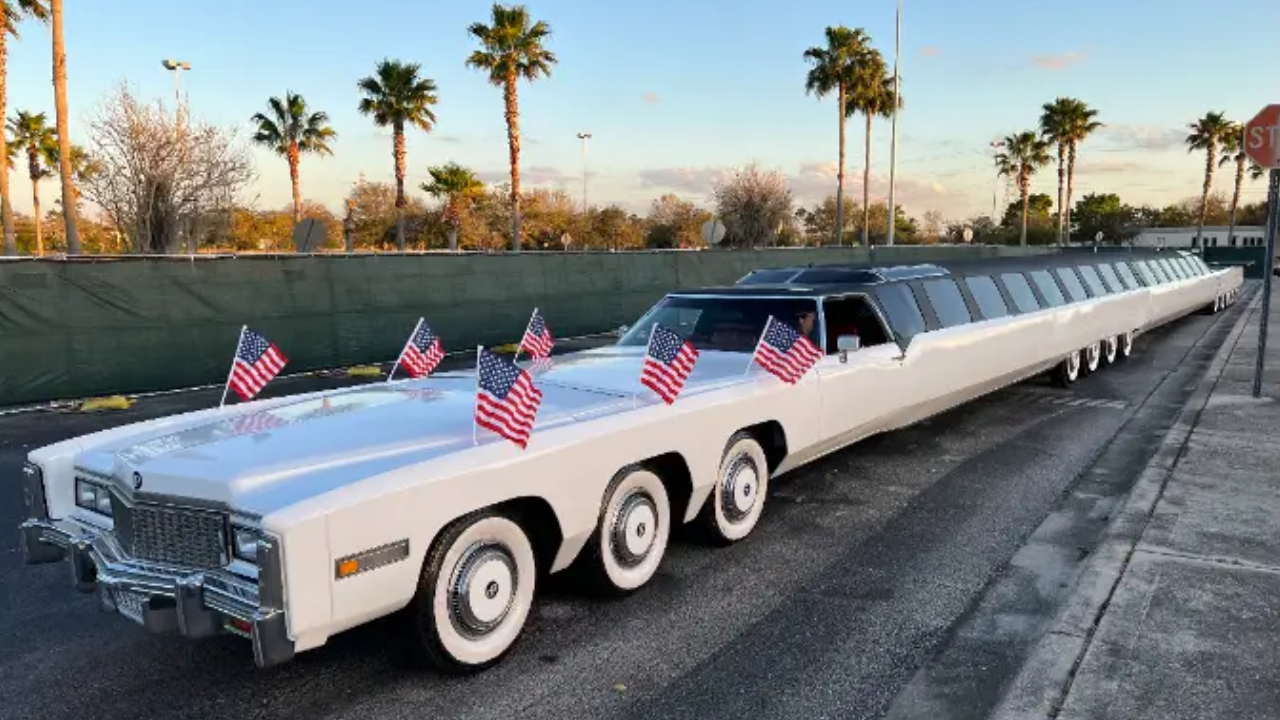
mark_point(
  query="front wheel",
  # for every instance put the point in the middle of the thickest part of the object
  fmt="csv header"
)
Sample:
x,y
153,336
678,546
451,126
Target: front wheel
x,y
738,497
474,594
631,534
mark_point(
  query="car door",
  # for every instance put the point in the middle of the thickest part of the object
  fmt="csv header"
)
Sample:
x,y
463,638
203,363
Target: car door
x,y
859,388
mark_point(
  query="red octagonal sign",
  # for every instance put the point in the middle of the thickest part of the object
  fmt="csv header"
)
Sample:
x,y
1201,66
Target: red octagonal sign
x,y
1262,137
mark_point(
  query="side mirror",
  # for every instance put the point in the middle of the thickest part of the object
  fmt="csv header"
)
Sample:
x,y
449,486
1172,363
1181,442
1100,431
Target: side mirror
x,y
848,343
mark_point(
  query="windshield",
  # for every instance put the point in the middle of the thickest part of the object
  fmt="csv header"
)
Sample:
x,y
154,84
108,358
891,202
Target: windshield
x,y
732,324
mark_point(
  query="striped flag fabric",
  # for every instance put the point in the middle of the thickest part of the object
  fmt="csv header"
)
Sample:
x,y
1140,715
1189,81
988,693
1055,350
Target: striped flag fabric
x,y
506,399
257,422
422,352
667,363
784,352
255,363
537,337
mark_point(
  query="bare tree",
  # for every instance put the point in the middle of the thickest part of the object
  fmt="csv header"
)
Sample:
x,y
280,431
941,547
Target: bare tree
x,y
156,178
754,204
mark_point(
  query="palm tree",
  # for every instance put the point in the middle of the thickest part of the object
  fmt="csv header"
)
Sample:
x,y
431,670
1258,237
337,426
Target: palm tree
x,y
64,131
452,183
291,131
31,134
83,166
1023,154
1233,152
839,66
872,99
1066,122
12,12
1208,134
512,47
396,96
1256,171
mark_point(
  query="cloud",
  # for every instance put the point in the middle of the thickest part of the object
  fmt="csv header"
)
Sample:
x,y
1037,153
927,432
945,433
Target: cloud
x,y
1109,165
531,176
450,139
1060,61
931,51
1143,137
651,98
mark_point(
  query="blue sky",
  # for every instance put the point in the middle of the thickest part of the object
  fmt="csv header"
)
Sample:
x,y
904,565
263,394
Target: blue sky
x,y
676,92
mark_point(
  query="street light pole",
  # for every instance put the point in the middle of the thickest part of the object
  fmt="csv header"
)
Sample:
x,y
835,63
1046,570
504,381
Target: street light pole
x,y
893,144
177,68
995,145
584,137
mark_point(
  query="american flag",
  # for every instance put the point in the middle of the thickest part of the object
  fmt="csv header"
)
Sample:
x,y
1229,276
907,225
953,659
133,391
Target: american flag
x,y
256,362
667,363
257,422
537,337
785,352
506,400
422,352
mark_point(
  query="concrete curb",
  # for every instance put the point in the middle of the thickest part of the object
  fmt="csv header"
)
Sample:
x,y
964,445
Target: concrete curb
x,y
1039,689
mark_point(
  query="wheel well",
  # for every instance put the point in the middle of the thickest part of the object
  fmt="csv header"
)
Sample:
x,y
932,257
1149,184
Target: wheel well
x,y
676,478
538,520
772,439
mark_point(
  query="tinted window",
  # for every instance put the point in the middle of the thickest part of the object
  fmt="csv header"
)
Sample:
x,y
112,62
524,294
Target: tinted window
x,y
1048,288
1188,268
1092,281
1148,273
901,310
948,303
835,275
987,295
724,323
1020,290
1071,282
1171,268
1199,263
767,276
1110,278
1192,266
1126,276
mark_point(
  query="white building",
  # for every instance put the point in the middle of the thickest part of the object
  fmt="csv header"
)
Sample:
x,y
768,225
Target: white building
x,y
1212,236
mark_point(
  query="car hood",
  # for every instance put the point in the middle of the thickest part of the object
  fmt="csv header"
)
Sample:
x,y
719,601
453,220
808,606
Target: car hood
x,y
259,459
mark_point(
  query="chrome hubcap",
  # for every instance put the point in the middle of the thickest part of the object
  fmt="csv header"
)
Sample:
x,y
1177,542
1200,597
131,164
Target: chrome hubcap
x,y
1092,353
483,589
634,528
1073,364
741,485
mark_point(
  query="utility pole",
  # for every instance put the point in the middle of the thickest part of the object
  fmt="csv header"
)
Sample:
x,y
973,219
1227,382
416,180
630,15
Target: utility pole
x,y
995,148
584,137
893,144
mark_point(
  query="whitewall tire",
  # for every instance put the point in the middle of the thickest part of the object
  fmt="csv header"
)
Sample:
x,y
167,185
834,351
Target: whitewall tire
x,y
742,482
1092,358
1126,345
474,595
1110,350
1068,370
631,534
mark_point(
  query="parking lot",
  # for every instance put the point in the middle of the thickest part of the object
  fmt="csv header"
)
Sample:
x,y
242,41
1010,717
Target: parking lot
x,y
889,580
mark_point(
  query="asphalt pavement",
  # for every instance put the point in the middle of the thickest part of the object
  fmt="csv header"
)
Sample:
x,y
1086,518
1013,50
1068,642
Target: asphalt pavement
x,y
907,576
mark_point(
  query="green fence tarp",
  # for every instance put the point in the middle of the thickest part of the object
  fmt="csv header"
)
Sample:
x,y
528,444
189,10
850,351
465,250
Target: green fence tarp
x,y
82,328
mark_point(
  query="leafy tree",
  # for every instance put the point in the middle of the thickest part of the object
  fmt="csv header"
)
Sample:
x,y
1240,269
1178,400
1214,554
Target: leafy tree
x,y
1023,154
396,96
616,229
675,223
512,47
37,140
1209,133
845,65
754,205
12,12
933,227
64,132
1103,212
378,216
291,130
1039,212
455,185
1066,122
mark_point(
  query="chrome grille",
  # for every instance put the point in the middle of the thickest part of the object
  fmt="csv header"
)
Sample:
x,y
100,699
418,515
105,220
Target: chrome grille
x,y
176,536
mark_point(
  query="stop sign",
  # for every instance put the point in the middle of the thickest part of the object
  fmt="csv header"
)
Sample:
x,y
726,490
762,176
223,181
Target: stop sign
x,y
1262,137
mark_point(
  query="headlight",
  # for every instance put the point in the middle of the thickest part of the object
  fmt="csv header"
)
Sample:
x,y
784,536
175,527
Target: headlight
x,y
244,543
93,497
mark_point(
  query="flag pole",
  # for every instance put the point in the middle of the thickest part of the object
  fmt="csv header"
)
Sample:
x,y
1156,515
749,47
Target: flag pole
x,y
475,426
758,342
232,371
520,347
647,347
402,349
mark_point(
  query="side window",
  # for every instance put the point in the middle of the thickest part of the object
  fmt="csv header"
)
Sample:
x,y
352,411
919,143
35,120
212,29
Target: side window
x,y
1020,290
1126,276
987,295
1048,288
900,308
1071,282
1111,279
1145,271
1171,268
948,303
852,316
1092,281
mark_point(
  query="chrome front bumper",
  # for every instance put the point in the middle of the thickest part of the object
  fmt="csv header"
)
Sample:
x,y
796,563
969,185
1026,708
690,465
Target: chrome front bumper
x,y
164,599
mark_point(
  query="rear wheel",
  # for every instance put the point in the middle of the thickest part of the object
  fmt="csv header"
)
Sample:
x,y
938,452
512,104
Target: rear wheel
x,y
631,534
1110,350
1067,371
474,594
737,499
1126,345
1092,357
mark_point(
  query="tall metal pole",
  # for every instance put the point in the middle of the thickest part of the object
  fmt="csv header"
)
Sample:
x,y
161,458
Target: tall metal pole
x,y
1273,220
584,137
893,144
995,145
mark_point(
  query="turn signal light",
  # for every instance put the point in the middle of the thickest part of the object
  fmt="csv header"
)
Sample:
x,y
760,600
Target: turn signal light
x,y
348,567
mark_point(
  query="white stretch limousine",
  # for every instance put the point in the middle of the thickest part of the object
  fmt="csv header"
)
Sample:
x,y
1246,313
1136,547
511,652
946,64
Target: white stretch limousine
x,y
288,520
